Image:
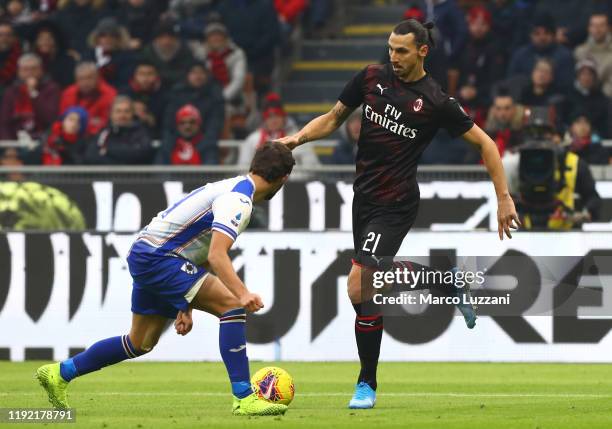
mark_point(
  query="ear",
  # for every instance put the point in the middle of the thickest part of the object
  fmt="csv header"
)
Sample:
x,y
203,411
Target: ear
x,y
423,50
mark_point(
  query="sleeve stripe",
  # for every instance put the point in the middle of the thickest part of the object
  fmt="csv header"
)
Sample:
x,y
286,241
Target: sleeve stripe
x,y
222,228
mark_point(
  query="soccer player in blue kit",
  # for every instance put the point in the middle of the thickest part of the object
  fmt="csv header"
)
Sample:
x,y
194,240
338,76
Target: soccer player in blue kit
x,y
172,262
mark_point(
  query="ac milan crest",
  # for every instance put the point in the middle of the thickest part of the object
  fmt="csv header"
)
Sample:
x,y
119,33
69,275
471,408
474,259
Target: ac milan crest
x,y
418,104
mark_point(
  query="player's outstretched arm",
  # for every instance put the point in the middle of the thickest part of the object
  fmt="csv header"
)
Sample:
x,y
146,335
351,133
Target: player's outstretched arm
x,y
221,264
507,217
320,127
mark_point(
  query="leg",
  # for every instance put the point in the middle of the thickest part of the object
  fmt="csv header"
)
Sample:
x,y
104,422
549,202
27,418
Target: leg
x,y
214,298
144,333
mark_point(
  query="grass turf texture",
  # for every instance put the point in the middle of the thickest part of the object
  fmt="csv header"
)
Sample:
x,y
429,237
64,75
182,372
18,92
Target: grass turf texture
x,y
415,395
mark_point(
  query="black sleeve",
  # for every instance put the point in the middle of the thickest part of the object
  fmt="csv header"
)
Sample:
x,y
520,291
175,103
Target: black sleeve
x,y
353,92
454,119
585,187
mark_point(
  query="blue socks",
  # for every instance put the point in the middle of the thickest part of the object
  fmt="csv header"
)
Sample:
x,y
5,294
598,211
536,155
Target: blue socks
x,y
232,344
103,353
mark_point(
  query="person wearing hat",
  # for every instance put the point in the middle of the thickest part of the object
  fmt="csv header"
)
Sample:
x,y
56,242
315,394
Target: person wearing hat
x,y
276,124
543,45
587,96
599,48
225,60
67,138
205,94
110,51
186,146
480,65
168,53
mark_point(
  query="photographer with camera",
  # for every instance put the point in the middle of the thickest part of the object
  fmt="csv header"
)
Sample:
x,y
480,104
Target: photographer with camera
x,y
545,177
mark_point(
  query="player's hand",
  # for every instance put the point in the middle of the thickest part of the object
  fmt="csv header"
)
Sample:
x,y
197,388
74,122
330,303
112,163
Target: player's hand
x,y
507,218
251,302
290,141
183,322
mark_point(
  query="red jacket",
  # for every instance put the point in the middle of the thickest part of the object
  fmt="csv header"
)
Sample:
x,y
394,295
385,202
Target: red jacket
x,y
289,9
98,104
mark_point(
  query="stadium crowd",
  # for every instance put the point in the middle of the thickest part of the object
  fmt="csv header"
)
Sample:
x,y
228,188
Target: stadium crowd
x,y
99,82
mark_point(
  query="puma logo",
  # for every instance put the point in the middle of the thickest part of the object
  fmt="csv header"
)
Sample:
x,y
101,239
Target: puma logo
x,y
238,349
367,323
382,89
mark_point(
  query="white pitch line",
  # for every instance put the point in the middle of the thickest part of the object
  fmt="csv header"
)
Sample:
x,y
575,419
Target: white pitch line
x,y
324,394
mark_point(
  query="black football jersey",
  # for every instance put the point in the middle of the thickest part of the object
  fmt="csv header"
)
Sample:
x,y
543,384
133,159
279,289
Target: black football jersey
x,y
399,120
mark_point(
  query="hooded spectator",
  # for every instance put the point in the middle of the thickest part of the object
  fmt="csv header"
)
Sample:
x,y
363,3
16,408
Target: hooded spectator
x,y
225,60
78,18
586,95
149,98
543,45
187,146
584,142
276,124
10,51
480,65
168,53
204,93
110,43
66,141
30,104
91,93
450,21
598,47
124,141
49,44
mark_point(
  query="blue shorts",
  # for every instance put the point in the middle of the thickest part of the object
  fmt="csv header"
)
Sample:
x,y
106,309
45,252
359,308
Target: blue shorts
x,y
162,284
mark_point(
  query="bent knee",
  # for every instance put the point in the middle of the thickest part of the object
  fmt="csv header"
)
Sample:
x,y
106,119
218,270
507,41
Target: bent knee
x,y
142,346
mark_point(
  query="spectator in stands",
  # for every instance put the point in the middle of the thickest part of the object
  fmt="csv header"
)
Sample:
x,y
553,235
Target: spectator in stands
x,y
225,60
30,104
450,21
275,125
10,51
91,93
170,56
139,17
598,47
187,145
541,91
510,22
543,45
78,18
110,43
480,65
204,93
346,149
587,96
148,96
583,141
253,25
66,141
289,12
191,15
124,141
505,121
49,44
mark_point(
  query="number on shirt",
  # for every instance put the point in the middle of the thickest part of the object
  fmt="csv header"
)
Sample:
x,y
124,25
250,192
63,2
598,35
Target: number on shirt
x,y
371,237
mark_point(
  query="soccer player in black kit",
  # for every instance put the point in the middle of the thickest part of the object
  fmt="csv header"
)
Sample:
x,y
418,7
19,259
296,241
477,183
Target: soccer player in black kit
x,y
403,108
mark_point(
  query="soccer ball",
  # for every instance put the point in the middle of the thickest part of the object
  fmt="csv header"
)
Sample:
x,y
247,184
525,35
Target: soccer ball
x,y
273,384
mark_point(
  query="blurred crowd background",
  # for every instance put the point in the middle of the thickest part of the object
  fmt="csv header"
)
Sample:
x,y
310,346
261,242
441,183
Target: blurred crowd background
x,y
163,82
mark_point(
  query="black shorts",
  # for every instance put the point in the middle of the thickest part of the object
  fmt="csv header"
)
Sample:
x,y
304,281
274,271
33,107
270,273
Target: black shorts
x,y
378,230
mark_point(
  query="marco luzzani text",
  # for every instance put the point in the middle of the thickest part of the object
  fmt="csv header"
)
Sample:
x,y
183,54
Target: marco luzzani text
x,y
438,279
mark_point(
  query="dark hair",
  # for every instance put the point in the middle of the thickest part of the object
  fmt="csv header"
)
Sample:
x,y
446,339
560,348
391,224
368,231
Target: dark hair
x,y
272,161
422,32
544,20
143,62
503,91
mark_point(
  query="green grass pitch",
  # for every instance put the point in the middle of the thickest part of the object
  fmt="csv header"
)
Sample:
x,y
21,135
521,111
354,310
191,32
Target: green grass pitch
x,y
415,395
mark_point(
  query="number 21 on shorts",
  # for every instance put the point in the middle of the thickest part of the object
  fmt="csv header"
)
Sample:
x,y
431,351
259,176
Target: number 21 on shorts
x,y
371,237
